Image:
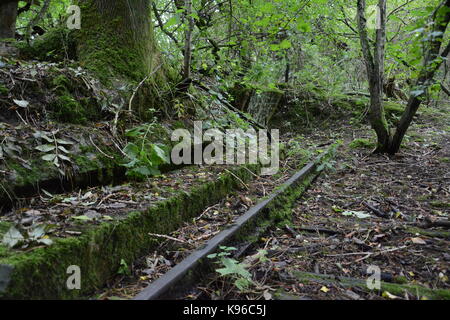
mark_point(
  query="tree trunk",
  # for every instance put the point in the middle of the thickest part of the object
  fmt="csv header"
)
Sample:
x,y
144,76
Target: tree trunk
x,y
432,61
8,15
188,40
116,39
375,71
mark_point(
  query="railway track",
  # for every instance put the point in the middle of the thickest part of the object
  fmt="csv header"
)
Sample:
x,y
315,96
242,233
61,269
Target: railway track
x,y
179,280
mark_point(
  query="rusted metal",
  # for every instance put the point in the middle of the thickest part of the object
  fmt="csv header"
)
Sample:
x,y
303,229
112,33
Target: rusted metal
x,y
188,271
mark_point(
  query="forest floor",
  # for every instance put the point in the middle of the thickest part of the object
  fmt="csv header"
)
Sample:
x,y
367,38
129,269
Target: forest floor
x,y
387,213
367,211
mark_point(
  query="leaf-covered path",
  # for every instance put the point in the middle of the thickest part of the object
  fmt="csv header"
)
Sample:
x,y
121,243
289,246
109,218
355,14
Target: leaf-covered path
x,y
389,214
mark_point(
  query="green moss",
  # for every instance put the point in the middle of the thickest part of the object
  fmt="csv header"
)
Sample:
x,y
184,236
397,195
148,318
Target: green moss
x,y
440,204
393,108
56,44
3,90
100,249
40,170
110,48
429,233
67,109
361,143
61,83
393,288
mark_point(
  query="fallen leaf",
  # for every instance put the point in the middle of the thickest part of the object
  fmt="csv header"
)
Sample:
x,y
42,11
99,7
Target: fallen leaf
x,y
418,240
358,214
267,295
21,103
324,289
389,295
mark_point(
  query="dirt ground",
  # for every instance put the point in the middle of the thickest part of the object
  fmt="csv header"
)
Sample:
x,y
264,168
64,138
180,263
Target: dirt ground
x,y
369,215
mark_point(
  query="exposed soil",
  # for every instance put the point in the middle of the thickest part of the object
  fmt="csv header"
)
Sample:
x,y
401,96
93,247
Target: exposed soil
x,y
390,213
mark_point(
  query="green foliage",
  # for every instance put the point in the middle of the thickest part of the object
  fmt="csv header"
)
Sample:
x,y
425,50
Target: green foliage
x,y
232,268
361,143
144,158
34,236
124,269
54,149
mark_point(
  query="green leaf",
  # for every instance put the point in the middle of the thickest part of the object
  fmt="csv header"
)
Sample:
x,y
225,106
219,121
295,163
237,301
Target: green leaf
x,y
232,266
37,232
61,141
159,155
21,103
12,237
45,241
242,284
49,157
172,21
63,149
63,157
285,44
82,218
303,26
46,147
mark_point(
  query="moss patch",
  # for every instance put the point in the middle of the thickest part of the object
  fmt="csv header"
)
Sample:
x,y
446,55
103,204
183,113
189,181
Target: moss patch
x,y
99,251
361,143
393,288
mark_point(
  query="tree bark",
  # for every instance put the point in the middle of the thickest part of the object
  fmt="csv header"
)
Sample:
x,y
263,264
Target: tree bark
x,y
116,39
375,71
188,39
432,61
8,15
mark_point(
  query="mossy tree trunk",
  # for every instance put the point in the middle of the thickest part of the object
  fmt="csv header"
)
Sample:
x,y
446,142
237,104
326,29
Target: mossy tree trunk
x,y
116,39
432,60
375,71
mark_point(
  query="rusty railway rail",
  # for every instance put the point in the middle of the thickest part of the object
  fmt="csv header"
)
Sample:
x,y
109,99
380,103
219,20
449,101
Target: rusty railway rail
x,y
181,278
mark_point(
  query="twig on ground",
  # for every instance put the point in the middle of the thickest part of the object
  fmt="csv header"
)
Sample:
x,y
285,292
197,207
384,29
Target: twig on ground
x,y
166,237
376,211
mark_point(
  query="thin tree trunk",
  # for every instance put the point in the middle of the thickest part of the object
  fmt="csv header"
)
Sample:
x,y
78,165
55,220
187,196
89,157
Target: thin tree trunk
x,y
188,40
432,62
8,15
375,71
